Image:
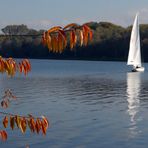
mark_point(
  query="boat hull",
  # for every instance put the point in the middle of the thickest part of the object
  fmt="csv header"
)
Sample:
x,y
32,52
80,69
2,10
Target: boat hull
x,y
139,69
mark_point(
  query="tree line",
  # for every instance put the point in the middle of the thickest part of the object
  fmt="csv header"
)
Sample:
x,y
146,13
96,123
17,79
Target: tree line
x,y
110,42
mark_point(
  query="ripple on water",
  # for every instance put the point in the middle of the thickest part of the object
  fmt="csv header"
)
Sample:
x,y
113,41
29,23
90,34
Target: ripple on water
x,y
86,107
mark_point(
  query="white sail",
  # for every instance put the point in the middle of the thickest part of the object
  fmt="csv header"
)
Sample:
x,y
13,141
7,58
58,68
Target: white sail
x,y
134,57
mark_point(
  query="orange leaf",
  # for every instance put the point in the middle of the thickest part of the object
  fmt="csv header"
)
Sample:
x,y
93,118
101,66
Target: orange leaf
x,y
48,41
45,121
23,125
5,121
69,26
38,126
44,128
89,31
63,35
1,64
53,29
27,64
31,124
90,35
60,43
54,44
73,39
24,68
85,35
12,122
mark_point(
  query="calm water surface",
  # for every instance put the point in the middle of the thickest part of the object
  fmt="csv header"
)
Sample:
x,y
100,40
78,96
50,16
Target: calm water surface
x,y
89,104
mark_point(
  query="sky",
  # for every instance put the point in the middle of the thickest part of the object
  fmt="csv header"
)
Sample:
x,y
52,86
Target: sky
x,y
43,14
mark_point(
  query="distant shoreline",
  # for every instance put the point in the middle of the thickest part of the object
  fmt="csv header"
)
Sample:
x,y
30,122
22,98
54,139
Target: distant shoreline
x,y
73,59
110,43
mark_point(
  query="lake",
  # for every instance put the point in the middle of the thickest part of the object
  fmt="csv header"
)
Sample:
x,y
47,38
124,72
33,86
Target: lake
x,y
88,103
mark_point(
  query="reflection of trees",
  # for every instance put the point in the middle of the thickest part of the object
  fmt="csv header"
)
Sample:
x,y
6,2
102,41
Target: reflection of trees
x,y
133,92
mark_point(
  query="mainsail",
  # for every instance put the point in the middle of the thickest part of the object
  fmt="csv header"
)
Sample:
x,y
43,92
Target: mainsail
x,y
134,57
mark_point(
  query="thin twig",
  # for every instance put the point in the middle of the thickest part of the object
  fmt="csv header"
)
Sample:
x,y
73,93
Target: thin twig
x,y
10,114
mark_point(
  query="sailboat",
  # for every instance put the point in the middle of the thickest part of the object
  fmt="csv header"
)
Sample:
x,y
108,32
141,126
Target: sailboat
x,y
134,56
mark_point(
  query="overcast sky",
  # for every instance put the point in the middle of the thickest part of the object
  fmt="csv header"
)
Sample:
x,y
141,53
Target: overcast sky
x,y
43,14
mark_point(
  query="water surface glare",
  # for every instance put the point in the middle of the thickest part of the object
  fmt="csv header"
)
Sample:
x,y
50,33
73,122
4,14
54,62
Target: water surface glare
x,y
88,103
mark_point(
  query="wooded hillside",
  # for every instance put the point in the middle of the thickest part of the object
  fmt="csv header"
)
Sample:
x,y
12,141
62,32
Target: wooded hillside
x,y
110,42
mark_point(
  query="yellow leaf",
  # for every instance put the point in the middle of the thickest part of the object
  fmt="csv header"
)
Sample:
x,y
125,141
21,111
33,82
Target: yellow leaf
x,y
17,121
81,37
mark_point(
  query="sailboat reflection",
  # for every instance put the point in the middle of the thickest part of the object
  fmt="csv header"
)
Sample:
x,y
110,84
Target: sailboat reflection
x,y
133,92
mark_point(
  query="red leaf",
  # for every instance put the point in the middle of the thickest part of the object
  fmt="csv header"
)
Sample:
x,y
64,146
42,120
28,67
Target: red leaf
x,y
3,135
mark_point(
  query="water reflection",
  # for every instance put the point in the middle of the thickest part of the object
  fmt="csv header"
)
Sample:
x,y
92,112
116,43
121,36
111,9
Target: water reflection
x,y
133,93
